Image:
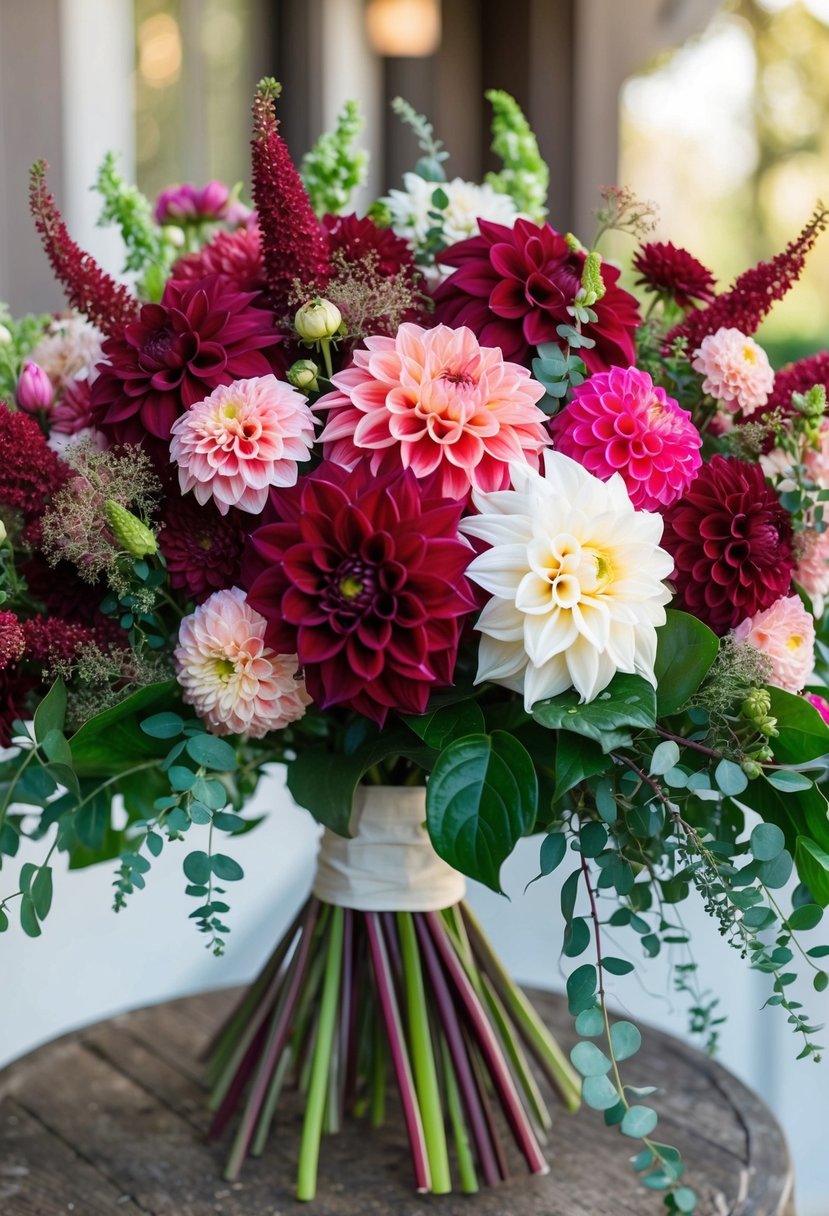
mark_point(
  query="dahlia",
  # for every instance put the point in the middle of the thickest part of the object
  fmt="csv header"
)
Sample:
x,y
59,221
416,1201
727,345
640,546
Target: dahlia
x,y
816,459
467,204
70,418
785,635
731,541
435,401
233,680
12,639
799,377
29,472
736,371
620,421
202,548
358,239
237,256
201,335
575,575
674,272
513,287
241,440
820,703
364,580
68,350
188,204
812,572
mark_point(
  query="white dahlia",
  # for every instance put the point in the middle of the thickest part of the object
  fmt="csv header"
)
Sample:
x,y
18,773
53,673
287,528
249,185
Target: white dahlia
x,y
467,204
575,574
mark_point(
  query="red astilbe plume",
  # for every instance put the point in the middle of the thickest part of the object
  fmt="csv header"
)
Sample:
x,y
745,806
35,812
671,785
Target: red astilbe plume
x,y
89,289
750,298
293,242
799,377
30,472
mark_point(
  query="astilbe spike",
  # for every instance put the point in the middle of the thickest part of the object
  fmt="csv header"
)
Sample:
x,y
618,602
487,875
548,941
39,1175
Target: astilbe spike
x,y
799,377
293,243
750,298
105,302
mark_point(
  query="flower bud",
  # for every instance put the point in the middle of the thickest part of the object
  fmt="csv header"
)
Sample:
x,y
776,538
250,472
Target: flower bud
x,y
5,335
3,533
751,769
318,319
132,535
592,282
303,375
34,389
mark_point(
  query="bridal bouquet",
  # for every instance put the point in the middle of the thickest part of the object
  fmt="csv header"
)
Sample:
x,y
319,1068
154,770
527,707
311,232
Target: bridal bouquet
x,y
430,507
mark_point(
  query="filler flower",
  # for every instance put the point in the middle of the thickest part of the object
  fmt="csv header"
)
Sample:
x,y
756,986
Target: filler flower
x,y
620,421
737,371
514,286
670,271
230,676
364,580
785,635
575,575
435,401
241,440
732,544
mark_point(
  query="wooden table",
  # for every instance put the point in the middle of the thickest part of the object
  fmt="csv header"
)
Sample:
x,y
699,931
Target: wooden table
x,y
110,1121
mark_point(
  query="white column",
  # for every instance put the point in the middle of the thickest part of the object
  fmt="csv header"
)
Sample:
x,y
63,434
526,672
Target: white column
x,y
351,71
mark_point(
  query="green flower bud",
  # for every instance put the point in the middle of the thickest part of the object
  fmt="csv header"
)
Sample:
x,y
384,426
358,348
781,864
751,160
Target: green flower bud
x,y
751,769
318,319
5,335
756,705
132,535
303,375
592,283
3,533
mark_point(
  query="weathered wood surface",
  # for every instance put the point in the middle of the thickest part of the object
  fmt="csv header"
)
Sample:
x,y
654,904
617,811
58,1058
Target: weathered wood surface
x,y
110,1121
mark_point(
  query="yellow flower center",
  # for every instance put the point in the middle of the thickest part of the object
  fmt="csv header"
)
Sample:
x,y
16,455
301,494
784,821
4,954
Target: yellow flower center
x,y
350,587
224,668
793,641
749,354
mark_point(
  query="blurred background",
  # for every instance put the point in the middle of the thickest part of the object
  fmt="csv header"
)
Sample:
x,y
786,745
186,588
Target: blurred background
x,y
717,111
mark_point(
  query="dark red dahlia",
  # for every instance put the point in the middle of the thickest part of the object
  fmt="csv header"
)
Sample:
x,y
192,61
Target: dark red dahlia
x,y
12,639
61,591
798,377
30,472
731,542
358,239
363,580
237,256
667,270
203,548
513,287
201,335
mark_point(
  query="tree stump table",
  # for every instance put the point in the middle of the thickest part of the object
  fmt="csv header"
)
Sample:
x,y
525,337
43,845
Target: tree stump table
x,y
110,1121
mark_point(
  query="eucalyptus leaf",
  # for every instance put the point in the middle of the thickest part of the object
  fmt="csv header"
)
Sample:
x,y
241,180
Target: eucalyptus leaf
x,y
196,866
767,842
599,1092
581,988
587,1059
639,1121
590,1022
625,1039
212,752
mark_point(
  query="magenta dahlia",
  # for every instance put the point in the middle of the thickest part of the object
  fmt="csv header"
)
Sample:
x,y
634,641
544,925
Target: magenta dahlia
x,y
201,335
363,580
203,549
668,270
357,239
621,422
513,287
731,542
237,256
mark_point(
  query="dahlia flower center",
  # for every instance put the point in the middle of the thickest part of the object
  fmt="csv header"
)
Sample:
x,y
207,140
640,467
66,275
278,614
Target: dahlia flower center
x,y
749,354
158,344
352,588
460,377
569,570
223,668
793,641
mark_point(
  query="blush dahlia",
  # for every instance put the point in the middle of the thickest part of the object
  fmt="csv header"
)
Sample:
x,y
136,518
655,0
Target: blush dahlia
x,y
621,422
731,542
436,402
363,580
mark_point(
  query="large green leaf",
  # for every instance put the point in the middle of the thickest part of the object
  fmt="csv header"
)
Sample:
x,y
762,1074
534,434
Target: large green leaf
x,y
480,800
803,736
442,726
685,649
801,815
113,741
628,701
577,758
813,867
51,711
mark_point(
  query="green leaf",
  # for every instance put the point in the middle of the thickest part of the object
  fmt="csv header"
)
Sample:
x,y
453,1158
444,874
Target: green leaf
x,y
590,1022
789,782
576,759
225,868
628,701
226,821
481,798
589,1061
576,938
684,1199
813,868
51,712
113,740
4,920
196,866
592,839
626,1040
41,892
605,795
599,1092
581,988
730,777
807,916
776,873
442,726
212,752
803,735
767,841
617,966
821,981
551,855
639,1121
93,820
685,650
181,779
155,843
28,917
163,726
665,757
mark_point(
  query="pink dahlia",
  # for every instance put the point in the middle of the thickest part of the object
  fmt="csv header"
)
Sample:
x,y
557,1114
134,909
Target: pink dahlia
x,y
514,286
816,459
731,542
241,440
230,676
621,422
435,401
785,635
201,335
364,580
202,548
820,703
237,256
736,371
812,573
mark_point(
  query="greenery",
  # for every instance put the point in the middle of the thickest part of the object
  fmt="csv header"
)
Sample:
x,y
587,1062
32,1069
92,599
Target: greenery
x,y
525,176
334,169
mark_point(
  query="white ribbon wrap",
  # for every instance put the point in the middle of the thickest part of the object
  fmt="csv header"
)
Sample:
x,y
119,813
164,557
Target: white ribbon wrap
x,y
388,864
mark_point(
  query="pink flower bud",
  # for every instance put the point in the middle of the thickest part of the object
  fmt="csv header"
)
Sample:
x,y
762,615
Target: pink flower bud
x,y
188,204
34,389
212,201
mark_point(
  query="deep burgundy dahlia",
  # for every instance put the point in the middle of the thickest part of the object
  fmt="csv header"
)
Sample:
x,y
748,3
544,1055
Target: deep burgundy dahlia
x,y
30,472
203,548
357,239
237,256
363,580
513,286
669,270
731,542
201,335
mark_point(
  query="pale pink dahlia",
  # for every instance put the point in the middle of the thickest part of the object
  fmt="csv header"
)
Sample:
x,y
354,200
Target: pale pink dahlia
x,y
621,422
812,570
241,440
435,401
816,459
736,370
236,683
785,634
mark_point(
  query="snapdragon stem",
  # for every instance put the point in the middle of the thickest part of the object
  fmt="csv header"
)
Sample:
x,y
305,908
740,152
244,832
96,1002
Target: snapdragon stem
x,y
463,1150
